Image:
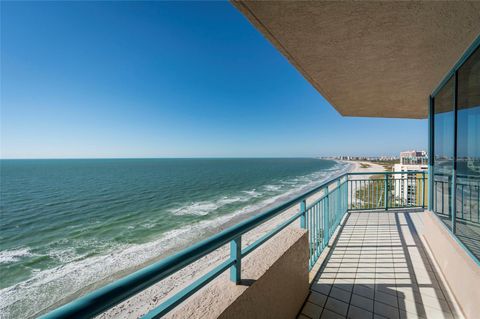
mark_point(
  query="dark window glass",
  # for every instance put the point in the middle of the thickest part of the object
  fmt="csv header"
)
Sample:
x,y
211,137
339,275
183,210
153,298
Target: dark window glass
x,y
467,222
443,151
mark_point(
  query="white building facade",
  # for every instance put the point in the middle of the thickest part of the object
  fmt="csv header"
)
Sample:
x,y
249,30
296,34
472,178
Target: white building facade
x,y
405,185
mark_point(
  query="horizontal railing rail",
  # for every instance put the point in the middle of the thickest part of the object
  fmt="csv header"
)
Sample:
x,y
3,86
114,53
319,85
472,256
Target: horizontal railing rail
x,y
387,190
467,197
329,203
323,216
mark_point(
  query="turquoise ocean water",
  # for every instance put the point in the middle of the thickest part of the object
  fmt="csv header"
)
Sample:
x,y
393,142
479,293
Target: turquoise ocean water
x,y
68,224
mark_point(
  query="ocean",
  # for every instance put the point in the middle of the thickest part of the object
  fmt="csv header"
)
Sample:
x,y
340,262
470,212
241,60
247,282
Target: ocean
x,y
68,226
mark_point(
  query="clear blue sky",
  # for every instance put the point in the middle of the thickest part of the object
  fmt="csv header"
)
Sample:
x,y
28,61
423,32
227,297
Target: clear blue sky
x,y
120,79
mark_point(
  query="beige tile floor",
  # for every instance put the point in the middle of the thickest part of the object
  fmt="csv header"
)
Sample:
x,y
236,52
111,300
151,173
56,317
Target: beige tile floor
x,y
379,268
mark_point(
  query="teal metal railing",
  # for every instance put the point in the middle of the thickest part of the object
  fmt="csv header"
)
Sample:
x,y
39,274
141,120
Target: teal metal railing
x,y
467,197
321,211
387,190
324,214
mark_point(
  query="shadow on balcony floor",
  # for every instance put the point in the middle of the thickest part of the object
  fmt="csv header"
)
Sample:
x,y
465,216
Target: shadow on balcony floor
x,y
379,268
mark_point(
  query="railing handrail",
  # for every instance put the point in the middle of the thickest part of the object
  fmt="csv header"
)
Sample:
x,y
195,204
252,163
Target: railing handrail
x,y
120,290
114,293
387,173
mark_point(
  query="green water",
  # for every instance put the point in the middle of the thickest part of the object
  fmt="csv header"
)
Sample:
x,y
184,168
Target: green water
x,y
66,224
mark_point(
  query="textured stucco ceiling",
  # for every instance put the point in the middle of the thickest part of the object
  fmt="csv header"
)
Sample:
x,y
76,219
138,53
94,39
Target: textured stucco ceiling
x,y
372,59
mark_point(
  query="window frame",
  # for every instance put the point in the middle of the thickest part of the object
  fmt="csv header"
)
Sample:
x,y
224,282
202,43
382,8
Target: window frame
x,y
453,73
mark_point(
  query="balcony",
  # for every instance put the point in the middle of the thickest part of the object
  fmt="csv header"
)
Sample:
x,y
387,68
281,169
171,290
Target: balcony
x,y
364,256
360,245
379,265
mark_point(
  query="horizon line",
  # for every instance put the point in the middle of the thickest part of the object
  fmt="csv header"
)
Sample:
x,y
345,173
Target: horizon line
x,y
162,157
191,157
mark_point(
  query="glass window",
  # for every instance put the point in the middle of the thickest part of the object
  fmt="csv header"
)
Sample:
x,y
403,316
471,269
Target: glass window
x,y
467,218
443,151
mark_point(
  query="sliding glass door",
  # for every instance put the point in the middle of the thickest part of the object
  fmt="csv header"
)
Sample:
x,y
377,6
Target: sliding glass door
x,y
444,117
456,150
467,218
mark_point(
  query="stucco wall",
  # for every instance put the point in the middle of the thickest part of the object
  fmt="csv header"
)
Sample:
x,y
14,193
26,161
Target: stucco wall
x,y
369,58
275,284
460,271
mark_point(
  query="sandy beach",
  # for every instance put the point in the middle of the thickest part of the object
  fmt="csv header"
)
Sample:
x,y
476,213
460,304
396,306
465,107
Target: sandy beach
x,y
363,167
372,167
156,294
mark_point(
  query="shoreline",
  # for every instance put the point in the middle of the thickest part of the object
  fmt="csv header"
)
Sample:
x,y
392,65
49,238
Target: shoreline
x,y
372,167
153,296
50,288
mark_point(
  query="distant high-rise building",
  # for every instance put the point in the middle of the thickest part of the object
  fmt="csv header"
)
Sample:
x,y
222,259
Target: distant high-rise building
x,y
413,158
407,191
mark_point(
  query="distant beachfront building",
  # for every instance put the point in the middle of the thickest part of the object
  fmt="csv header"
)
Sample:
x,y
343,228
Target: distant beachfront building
x,y
364,158
413,158
408,191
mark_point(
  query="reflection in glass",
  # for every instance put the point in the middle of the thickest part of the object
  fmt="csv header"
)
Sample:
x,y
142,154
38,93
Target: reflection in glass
x,y
468,154
443,151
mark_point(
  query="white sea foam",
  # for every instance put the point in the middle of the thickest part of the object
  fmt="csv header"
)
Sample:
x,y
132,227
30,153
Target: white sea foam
x,y
65,256
229,200
272,188
197,208
204,208
10,256
47,287
252,193
296,184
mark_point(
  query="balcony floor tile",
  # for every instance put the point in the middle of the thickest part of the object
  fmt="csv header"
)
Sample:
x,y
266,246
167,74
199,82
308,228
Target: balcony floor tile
x,y
379,268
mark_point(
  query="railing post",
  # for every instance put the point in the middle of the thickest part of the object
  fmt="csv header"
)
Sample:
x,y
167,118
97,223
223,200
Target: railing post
x,y
346,193
236,254
326,218
431,163
453,199
423,190
339,201
386,192
303,216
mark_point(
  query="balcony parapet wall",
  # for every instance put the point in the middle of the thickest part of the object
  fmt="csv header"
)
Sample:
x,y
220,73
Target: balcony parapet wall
x,y
274,283
460,271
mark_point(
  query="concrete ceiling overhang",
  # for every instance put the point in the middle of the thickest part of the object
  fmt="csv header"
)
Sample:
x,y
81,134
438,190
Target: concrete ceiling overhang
x,y
371,59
